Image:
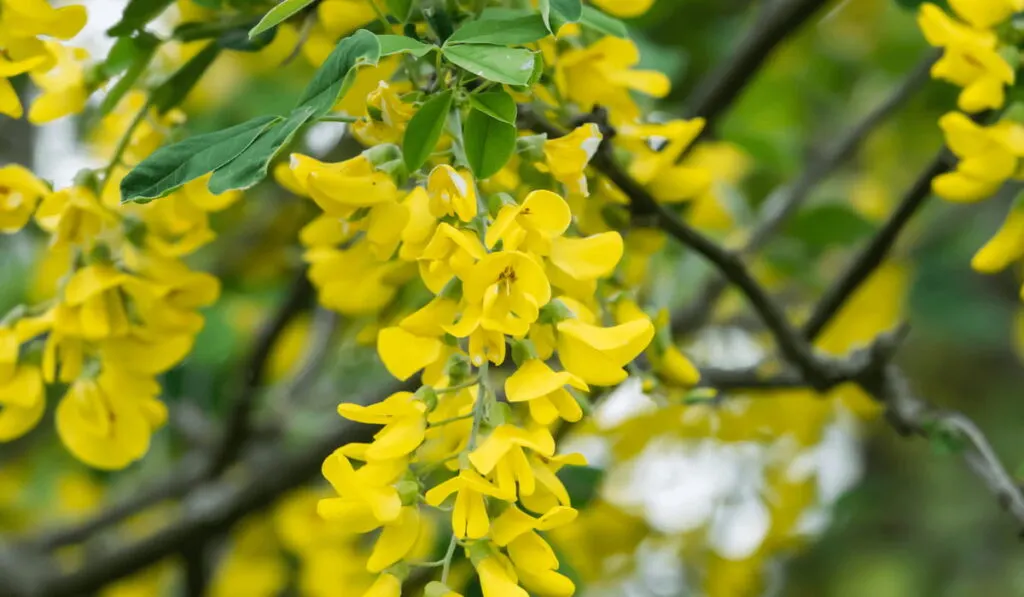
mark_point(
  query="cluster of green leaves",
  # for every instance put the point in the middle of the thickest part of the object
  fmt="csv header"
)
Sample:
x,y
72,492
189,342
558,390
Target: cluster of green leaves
x,y
484,51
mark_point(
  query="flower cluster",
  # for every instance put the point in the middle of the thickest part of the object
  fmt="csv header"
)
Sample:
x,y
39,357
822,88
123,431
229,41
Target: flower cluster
x,y
977,58
55,68
123,308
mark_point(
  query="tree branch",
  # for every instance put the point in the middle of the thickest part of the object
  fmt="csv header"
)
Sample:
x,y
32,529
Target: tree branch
x,y
784,201
717,92
874,254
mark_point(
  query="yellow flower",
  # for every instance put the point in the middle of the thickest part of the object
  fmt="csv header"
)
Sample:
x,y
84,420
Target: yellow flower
x,y
20,192
63,86
1005,247
502,453
602,74
73,216
22,396
587,259
10,105
396,540
25,19
504,292
148,135
106,423
498,579
544,391
657,169
341,17
597,355
971,59
985,14
421,225
353,281
386,117
436,589
343,187
96,305
254,564
451,252
403,417
567,157
366,80
988,157
452,193
416,342
531,225
366,497
624,8
386,585
469,516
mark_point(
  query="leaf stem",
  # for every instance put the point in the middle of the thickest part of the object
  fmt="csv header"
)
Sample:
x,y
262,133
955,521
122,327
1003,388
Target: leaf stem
x,y
126,139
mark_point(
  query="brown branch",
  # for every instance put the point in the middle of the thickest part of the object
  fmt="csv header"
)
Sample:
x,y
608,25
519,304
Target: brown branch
x,y
783,202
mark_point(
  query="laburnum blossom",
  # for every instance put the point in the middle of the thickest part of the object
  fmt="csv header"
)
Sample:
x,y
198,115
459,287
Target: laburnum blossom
x,y
1005,247
22,397
532,225
971,59
63,85
503,456
624,8
658,167
567,157
452,193
20,193
404,419
386,117
544,391
988,157
22,24
602,74
469,514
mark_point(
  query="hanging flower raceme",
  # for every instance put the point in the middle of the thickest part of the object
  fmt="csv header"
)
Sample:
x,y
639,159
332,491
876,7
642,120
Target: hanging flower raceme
x,y
988,157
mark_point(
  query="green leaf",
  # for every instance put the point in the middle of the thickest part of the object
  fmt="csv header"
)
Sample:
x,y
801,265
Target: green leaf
x,y
174,165
171,92
830,225
336,74
496,104
603,23
196,30
424,130
395,44
508,31
136,15
400,9
239,40
513,66
142,50
250,166
556,11
275,16
582,483
489,143
127,51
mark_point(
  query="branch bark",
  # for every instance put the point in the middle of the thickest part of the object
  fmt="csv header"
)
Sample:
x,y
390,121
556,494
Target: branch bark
x,y
785,201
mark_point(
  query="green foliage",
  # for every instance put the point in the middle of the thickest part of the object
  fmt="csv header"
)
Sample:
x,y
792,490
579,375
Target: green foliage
x,y
496,104
277,15
401,9
400,44
513,66
168,168
503,29
250,166
335,76
489,143
582,483
555,11
424,130
130,55
173,91
829,225
137,14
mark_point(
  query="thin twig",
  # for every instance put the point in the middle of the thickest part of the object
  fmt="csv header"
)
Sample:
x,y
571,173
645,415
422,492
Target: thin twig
x,y
717,92
784,201
874,254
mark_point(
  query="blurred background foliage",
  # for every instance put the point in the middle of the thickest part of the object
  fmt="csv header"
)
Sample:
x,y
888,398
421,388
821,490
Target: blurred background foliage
x,y
915,524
